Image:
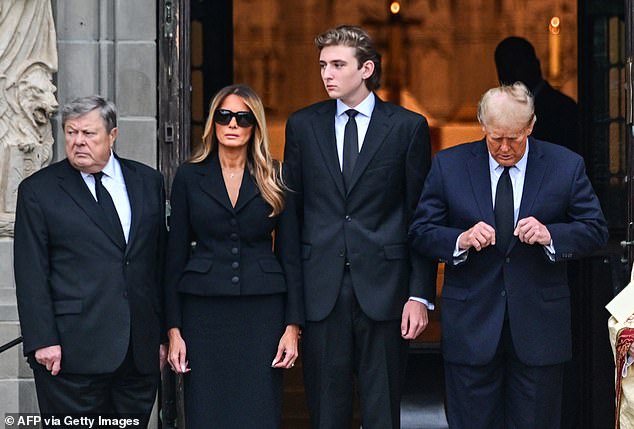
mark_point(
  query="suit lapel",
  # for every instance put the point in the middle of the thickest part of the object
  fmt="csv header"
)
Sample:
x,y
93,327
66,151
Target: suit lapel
x,y
535,171
324,129
134,187
248,190
481,182
212,182
73,184
378,130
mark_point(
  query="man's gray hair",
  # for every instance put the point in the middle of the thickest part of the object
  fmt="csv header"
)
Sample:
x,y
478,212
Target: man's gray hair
x,y
83,105
494,107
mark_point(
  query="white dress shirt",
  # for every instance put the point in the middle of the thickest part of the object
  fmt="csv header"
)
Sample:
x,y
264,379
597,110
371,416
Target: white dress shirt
x,y
115,185
365,109
517,174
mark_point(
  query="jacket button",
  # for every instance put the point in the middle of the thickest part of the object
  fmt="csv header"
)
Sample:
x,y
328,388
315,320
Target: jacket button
x,y
235,265
234,251
507,260
233,222
503,293
235,280
234,236
348,218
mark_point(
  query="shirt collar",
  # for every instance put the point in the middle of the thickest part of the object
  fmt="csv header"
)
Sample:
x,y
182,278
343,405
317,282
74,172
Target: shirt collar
x,y
521,164
365,108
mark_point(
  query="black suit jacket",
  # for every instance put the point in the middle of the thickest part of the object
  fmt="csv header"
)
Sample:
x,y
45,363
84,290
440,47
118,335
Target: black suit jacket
x,y
522,282
215,249
76,284
368,222
557,117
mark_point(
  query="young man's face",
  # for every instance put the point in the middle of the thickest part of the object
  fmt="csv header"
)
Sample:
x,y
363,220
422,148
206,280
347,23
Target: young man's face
x,y
342,76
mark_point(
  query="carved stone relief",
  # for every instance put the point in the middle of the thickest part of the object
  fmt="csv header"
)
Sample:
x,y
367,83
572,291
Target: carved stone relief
x,y
28,59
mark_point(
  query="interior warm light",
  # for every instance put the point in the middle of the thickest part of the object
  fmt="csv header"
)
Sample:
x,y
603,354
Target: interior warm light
x,y
554,25
395,7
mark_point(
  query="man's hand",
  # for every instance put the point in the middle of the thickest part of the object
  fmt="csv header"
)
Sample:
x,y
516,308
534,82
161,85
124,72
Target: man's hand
x,y
479,236
414,320
631,352
530,231
50,357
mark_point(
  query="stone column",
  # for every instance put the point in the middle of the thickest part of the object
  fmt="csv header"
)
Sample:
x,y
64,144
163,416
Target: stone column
x,y
28,59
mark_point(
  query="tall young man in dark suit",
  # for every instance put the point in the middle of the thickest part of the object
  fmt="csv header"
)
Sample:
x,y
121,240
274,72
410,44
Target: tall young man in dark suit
x,y
88,251
506,213
357,165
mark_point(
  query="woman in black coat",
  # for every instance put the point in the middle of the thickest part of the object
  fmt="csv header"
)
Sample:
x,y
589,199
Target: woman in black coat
x,y
233,278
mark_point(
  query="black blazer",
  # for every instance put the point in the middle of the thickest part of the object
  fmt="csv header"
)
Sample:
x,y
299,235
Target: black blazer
x,y
215,249
76,284
372,217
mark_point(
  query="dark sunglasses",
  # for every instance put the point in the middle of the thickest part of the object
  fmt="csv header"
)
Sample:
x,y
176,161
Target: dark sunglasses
x,y
243,119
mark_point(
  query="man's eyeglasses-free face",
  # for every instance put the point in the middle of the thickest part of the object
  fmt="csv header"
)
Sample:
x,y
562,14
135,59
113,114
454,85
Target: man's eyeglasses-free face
x,y
243,119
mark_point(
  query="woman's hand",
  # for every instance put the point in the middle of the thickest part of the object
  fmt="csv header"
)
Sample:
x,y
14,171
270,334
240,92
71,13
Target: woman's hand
x,y
631,352
288,348
177,352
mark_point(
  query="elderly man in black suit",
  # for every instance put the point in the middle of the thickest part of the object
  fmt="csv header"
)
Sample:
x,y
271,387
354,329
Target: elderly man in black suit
x,y
89,238
357,166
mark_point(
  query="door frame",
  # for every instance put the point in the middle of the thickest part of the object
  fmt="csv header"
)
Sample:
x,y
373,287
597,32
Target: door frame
x,y
629,119
174,83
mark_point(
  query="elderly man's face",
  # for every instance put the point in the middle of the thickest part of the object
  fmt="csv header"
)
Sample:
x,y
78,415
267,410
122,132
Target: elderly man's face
x,y
88,144
506,144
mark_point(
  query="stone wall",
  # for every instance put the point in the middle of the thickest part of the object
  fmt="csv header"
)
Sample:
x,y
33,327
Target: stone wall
x,y
105,47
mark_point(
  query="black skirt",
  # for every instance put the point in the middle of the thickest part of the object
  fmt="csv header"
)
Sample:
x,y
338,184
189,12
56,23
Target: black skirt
x,y
231,343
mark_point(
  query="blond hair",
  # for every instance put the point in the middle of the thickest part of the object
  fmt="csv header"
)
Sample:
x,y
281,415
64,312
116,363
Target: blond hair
x,y
266,172
508,105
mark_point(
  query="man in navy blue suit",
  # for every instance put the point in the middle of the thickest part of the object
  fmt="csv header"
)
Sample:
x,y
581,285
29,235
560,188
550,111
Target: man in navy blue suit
x,y
505,213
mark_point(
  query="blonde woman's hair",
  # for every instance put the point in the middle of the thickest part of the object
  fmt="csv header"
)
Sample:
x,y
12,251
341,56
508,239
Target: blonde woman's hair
x,y
266,172
493,108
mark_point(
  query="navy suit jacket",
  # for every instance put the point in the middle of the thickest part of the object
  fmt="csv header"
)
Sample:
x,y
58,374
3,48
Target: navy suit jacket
x,y
522,281
77,285
369,219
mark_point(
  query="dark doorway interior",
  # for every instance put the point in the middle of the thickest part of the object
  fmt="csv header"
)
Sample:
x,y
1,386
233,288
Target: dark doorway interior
x,y
211,57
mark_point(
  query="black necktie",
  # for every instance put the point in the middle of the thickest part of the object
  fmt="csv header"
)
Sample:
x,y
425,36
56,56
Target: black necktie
x,y
350,146
504,221
107,205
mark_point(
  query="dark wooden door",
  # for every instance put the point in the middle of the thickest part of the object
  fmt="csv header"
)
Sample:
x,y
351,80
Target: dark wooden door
x,y
629,121
589,387
174,82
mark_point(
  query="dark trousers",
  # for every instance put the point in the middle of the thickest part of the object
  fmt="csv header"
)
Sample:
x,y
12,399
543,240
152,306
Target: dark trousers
x,y
504,394
123,393
346,347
